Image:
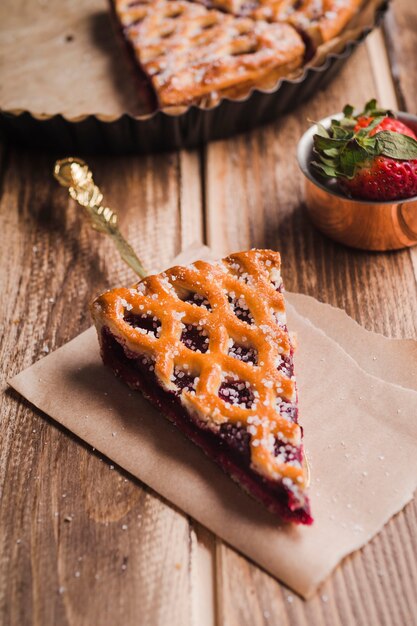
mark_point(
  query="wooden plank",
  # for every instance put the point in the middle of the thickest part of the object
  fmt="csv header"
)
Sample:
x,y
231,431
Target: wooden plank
x,y
191,196
400,29
81,542
381,70
400,34
254,197
203,577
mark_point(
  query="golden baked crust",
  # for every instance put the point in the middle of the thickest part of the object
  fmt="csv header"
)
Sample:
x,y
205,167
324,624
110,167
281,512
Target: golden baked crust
x,y
322,20
189,51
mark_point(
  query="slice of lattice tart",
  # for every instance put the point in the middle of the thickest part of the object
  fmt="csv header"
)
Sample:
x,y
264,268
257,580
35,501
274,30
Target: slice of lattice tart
x,y
208,345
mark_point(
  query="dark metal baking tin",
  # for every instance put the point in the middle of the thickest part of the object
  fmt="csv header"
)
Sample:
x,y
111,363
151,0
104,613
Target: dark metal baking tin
x,y
160,131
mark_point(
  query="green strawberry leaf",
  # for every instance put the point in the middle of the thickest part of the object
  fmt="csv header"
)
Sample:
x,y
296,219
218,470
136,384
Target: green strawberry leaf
x,y
322,131
348,110
329,161
370,107
327,143
396,145
350,158
342,133
372,110
331,153
370,145
348,123
328,170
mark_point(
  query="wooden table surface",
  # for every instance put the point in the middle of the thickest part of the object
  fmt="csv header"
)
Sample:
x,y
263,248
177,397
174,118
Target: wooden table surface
x,y
65,558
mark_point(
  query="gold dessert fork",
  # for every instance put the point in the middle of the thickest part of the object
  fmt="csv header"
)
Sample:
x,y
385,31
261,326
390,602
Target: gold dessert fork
x,y
75,174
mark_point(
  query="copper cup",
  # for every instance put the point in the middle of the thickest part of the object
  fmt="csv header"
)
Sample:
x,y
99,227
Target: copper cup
x,y
357,223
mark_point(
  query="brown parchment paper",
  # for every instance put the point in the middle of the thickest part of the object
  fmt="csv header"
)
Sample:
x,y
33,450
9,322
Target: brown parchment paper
x,y
360,434
65,57
393,360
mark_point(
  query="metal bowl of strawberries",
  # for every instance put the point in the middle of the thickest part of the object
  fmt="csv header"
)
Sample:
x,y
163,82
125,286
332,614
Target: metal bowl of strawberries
x,y
361,177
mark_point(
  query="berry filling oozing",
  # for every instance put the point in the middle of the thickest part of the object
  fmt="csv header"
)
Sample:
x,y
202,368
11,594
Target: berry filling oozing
x,y
247,354
184,380
197,299
240,308
286,366
148,323
195,338
236,392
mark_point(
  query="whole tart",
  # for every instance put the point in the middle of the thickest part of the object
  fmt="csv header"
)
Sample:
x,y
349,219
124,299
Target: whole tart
x,y
188,51
208,345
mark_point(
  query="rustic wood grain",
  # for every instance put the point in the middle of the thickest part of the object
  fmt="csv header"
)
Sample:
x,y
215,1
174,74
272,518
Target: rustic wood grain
x,y
254,197
400,33
82,543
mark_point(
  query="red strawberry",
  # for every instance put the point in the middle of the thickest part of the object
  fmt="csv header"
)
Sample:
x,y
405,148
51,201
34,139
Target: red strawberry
x,y
388,123
372,156
382,179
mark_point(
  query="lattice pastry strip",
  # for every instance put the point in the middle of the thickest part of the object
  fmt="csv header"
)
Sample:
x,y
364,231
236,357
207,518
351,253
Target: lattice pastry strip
x,y
321,20
243,305
188,51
